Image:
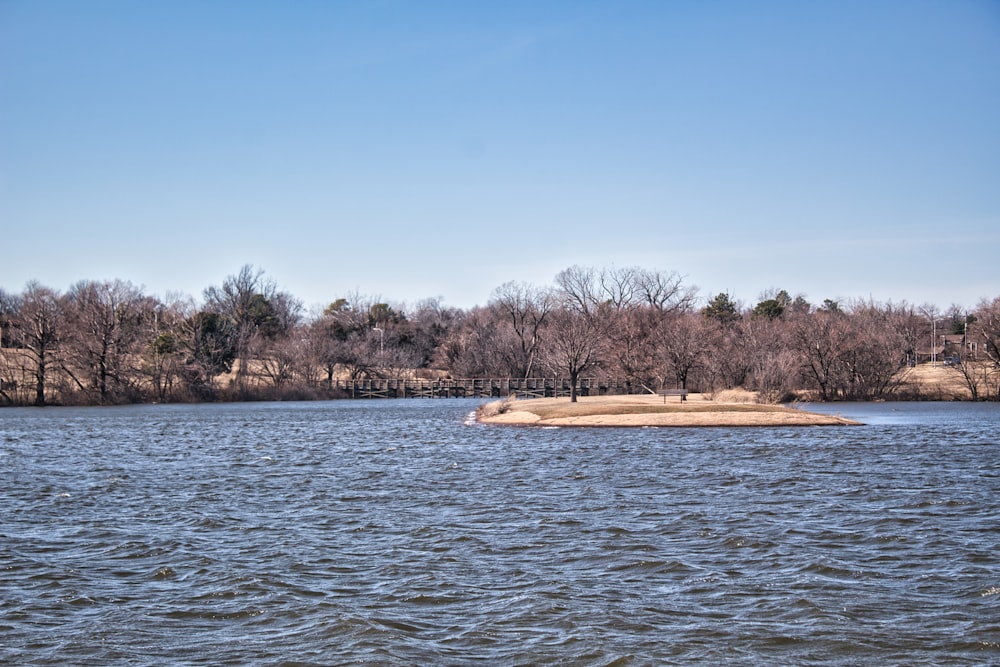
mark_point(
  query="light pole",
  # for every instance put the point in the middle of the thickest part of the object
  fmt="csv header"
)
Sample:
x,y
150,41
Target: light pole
x,y
931,313
381,343
934,342
967,347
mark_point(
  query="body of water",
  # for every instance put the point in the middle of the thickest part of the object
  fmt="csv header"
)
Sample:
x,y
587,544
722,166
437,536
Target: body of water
x,y
397,533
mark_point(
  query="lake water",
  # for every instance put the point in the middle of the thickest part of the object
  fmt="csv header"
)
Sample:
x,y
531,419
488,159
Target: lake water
x,y
396,533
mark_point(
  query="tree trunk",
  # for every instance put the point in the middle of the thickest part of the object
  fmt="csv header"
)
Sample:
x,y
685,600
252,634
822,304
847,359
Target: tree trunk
x,y
40,379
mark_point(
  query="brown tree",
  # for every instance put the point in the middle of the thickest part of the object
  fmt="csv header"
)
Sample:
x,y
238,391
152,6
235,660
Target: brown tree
x,y
636,342
729,359
162,356
683,344
431,322
987,329
523,309
36,328
985,333
820,340
874,357
250,307
103,345
772,367
574,344
482,346
664,290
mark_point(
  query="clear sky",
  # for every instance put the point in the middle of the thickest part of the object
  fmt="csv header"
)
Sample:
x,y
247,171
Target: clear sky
x,y
414,150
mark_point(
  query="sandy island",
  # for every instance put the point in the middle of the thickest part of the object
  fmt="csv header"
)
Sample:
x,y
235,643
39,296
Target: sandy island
x,y
648,410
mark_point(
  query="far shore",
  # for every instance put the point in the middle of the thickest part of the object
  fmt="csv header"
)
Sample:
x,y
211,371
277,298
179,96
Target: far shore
x,y
647,410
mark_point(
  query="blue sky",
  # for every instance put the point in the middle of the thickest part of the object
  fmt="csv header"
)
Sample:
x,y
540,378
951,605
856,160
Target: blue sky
x,y
414,150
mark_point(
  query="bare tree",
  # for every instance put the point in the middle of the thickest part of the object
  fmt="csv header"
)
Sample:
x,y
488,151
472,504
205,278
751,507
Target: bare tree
x,y
163,354
241,301
624,288
430,323
281,361
208,341
683,344
908,325
106,320
875,359
664,291
11,375
771,367
574,344
579,289
636,344
38,327
324,338
482,346
988,329
979,377
618,287
821,339
355,333
638,302
986,334
730,357
255,313
525,309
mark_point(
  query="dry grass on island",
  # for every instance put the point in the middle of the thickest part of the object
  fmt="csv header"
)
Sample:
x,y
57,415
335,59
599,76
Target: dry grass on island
x,y
734,409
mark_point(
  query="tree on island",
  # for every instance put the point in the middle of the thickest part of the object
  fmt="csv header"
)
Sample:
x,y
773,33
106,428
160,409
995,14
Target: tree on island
x,y
575,344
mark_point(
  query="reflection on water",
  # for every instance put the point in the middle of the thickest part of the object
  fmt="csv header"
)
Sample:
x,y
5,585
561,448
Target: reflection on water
x,y
392,532
984,417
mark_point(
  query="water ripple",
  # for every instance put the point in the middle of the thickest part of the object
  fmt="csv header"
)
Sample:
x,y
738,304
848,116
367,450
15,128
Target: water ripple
x,y
398,532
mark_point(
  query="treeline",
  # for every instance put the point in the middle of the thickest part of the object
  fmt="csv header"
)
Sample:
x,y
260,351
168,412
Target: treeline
x,y
109,343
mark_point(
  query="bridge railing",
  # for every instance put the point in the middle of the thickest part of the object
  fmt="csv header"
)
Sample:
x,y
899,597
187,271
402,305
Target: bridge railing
x,y
480,387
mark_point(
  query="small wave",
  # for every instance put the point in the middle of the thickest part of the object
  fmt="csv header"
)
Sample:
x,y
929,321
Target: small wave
x,y
431,600
396,624
684,547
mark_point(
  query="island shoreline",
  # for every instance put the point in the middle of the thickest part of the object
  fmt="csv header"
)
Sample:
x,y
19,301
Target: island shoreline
x,y
648,411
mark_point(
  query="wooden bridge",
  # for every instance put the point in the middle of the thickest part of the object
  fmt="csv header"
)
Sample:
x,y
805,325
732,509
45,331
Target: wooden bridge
x,y
480,388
